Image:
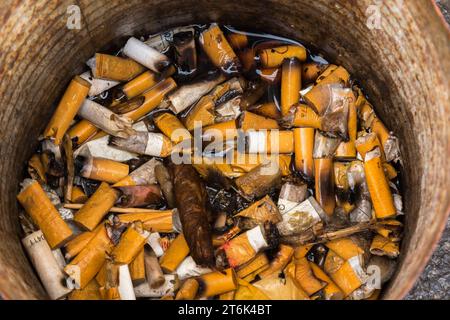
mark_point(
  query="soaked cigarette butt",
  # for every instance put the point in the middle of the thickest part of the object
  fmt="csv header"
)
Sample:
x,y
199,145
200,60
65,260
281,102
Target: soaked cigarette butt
x,y
324,147
268,110
279,262
97,206
347,150
131,243
340,175
367,143
377,183
137,269
155,277
251,121
109,285
148,143
109,67
105,119
324,184
254,91
188,290
238,41
334,74
303,116
346,248
51,158
270,75
74,246
43,260
291,195
82,131
164,179
382,246
272,141
331,291
36,169
83,268
145,55
185,51
229,110
172,127
215,283
247,58
78,195
36,203
104,170
219,50
67,108
225,131
311,71
263,210
273,57
143,175
168,289
260,180
175,254
90,292
291,84
162,41
98,86
143,82
303,148
256,264
188,268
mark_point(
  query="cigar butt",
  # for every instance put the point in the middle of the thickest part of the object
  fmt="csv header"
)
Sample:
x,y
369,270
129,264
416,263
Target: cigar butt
x,y
188,290
291,84
43,260
98,205
268,110
304,146
282,258
137,268
175,254
172,127
67,108
115,68
273,57
251,121
155,277
131,243
82,131
324,184
215,283
78,195
74,246
36,203
90,292
145,55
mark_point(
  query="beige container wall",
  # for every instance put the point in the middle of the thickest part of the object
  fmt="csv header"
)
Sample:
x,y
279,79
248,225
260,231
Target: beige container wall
x,y
404,68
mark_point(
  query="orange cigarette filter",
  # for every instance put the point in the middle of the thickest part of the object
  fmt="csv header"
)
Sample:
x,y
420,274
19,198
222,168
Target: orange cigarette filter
x,y
331,290
282,258
97,206
35,165
291,83
36,203
382,246
90,292
302,251
172,127
227,129
251,121
347,150
137,268
227,295
244,162
131,243
144,82
219,50
82,131
346,278
217,282
238,41
276,141
90,260
116,68
159,221
380,129
334,75
303,147
326,72
253,265
389,170
188,290
304,276
74,246
273,57
346,248
268,110
367,143
175,254
340,175
67,109
311,71
78,195
378,185
104,170
270,75
324,184
305,117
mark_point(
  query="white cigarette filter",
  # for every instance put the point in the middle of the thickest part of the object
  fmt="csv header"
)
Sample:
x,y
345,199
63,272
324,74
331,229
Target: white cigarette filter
x,y
301,217
256,239
153,241
126,289
105,119
188,268
98,86
145,55
169,287
48,268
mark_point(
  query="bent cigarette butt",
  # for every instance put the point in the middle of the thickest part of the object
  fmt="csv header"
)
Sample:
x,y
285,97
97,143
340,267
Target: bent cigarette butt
x,y
311,71
382,246
109,67
273,57
78,195
145,55
282,258
36,169
268,110
303,116
137,268
367,143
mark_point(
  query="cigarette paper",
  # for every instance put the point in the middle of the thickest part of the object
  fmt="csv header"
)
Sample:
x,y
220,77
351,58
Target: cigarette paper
x,y
145,55
98,86
169,287
105,66
303,148
291,83
273,57
36,203
251,121
215,283
143,175
49,271
155,277
219,240
175,254
264,210
228,110
131,243
148,143
188,290
272,141
67,108
172,127
188,268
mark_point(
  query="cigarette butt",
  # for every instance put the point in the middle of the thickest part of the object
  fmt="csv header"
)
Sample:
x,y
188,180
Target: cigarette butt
x,y
272,141
153,98
97,206
331,290
367,143
188,290
215,283
36,169
251,121
225,130
268,110
302,116
324,146
282,258
324,184
253,265
340,175
219,240
302,251
260,180
333,74
148,143
155,277
303,147
137,268
389,170
78,195
126,290
74,246
382,246
83,268
377,183
277,288
219,50
346,248
381,131
347,150
104,170
115,68
291,84
67,108
273,57
247,58
188,269
227,295
349,277
172,127
238,41
82,131
263,210
43,260
301,272
90,292
98,86
270,75
131,243
145,55
311,71
143,82
175,254
36,203
143,175
109,289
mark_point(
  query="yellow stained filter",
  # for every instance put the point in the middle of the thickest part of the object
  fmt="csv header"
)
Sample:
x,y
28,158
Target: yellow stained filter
x,y
238,41
36,203
67,109
90,292
175,254
303,148
247,291
268,110
305,277
389,171
282,258
116,68
78,195
380,129
306,117
291,84
188,290
273,57
347,150
382,246
340,175
239,250
331,290
130,245
74,246
104,170
367,143
98,205
346,248
253,265
219,240
324,184
137,268
311,71
144,82
251,121
346,279
82,131
215,283
227,130
158,221
172,127
334,75
302,251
